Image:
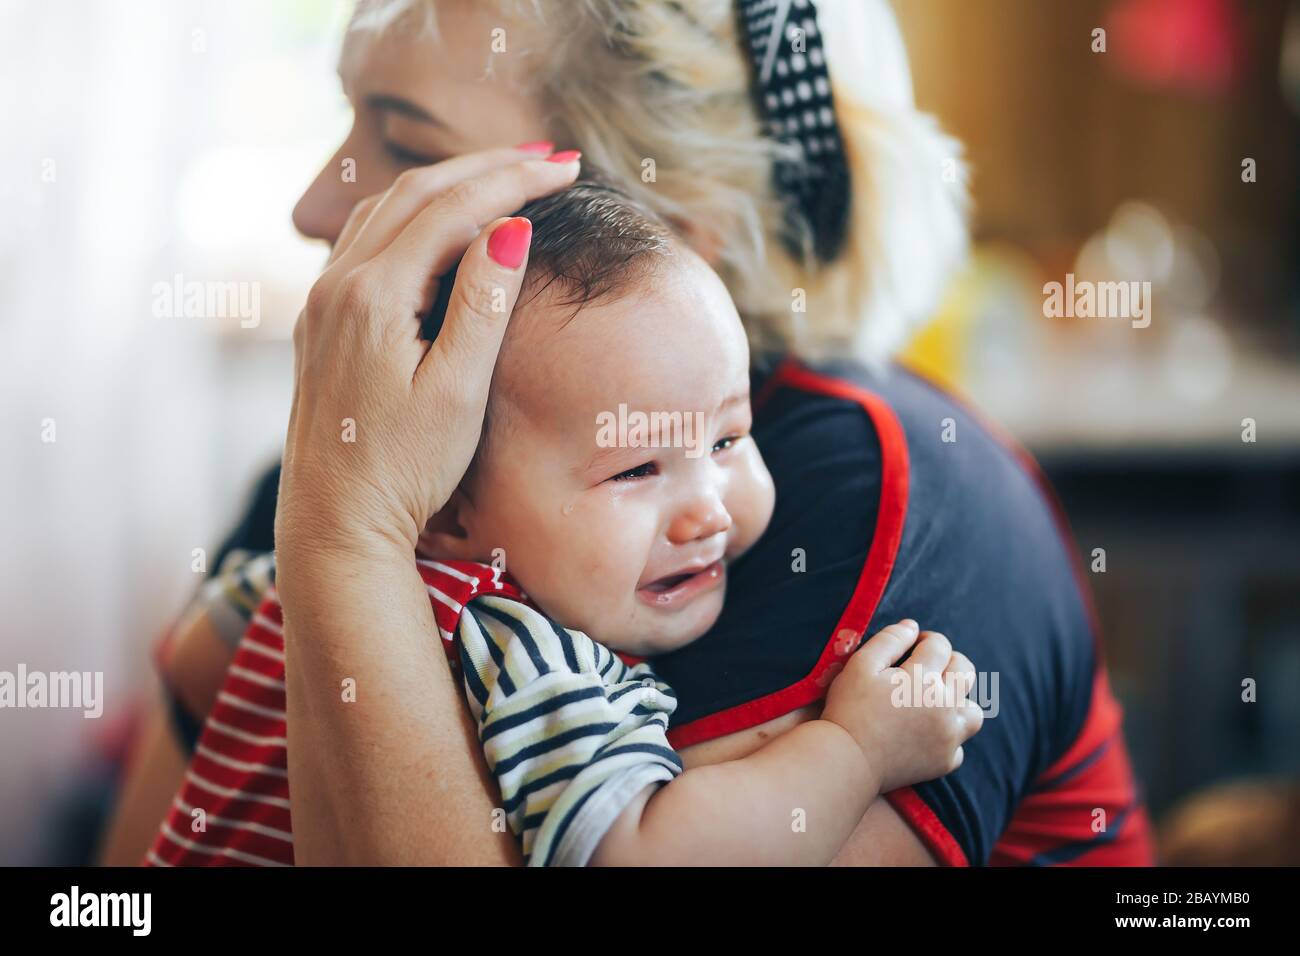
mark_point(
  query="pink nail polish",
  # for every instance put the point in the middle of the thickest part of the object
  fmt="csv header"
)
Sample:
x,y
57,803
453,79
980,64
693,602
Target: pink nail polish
x,y
567,156
543,146
508,243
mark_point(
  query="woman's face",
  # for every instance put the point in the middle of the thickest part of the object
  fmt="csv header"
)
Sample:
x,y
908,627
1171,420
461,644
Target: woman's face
x,y
419,99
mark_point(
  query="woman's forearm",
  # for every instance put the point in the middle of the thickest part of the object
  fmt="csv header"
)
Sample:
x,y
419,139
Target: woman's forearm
x,y
395,775
794,802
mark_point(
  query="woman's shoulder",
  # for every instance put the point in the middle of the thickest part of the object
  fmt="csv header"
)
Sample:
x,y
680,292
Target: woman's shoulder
x,y
829,443
955,499
984,553
892,500
874,428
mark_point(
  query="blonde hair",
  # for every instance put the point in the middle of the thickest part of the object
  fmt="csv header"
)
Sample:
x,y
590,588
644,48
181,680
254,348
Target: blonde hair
x,y
658,95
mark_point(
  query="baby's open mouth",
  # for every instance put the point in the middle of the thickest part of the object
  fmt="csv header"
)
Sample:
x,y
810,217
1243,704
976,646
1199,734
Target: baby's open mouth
x,y
675,589
664,584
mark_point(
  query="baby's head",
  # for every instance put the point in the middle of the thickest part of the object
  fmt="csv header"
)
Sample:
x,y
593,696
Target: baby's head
x,y
616,473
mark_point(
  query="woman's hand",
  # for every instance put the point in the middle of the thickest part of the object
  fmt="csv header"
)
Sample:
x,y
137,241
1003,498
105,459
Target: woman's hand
x,y
382,429
383,425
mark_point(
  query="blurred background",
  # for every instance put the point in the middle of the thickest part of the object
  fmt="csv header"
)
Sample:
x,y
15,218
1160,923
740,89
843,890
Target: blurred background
x,y
1171,157
142,141
152,140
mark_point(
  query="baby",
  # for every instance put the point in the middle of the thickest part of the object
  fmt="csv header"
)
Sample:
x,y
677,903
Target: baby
x,y
614,483
616,480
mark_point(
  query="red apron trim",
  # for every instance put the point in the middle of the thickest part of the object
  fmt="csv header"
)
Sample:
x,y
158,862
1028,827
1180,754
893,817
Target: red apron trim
x,y
918,815
772,383
1102,723
879,565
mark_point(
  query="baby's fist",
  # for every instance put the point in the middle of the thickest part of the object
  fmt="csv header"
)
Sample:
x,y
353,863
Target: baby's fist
x,y
910,721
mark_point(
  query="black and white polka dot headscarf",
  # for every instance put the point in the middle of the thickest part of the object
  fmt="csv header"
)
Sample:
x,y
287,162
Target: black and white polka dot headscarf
x,y
792,86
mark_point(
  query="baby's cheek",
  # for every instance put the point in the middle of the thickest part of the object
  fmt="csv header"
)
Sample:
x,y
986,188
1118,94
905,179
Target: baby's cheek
x,y
615,552
751,497
592,560
531,546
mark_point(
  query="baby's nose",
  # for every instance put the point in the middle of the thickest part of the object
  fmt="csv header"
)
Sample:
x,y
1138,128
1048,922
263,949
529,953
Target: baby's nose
x,y
701,519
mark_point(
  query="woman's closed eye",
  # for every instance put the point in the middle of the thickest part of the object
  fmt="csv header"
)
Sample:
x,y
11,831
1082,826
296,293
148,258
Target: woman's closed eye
x,y
405,157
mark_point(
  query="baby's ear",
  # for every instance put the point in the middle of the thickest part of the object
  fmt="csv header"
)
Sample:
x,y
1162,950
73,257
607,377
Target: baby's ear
x,y
444,536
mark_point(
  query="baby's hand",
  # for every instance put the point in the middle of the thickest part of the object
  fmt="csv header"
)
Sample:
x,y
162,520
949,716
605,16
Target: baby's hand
x,y
904,741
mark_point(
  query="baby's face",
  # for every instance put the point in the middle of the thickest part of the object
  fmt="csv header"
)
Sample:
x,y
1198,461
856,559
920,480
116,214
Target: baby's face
x,y
620,532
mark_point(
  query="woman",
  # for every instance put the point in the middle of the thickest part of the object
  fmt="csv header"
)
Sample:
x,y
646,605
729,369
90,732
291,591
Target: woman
x,y
880,514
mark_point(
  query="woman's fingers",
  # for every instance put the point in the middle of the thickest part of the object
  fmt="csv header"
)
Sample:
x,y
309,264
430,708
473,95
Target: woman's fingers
x,y
888,645
487,284
360,360
433,241
413,190
356,221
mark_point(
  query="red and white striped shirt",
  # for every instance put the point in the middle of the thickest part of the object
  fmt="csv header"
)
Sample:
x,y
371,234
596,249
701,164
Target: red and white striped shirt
x,y
233,806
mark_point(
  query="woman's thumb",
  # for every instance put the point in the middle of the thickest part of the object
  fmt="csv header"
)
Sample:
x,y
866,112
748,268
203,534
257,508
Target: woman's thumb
x,y
483,294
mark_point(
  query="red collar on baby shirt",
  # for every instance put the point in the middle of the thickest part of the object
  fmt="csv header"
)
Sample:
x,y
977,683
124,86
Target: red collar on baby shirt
x,y
453,584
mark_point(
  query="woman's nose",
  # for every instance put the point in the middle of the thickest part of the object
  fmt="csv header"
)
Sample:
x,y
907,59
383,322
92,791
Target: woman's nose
x,y
702,518
323,209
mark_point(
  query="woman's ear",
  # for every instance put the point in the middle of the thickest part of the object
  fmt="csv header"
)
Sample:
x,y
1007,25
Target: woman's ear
x,y
702,238
445,535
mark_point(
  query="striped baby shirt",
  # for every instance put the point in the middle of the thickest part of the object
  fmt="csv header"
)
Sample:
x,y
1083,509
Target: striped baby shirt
x,y
570,731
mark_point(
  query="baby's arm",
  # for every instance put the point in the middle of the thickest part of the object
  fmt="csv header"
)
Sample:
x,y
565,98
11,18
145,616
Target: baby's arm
x,y
192,660
797,800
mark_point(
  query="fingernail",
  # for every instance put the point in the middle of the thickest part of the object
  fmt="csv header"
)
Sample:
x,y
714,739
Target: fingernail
x,y
508,243
567,156
543,146
910,624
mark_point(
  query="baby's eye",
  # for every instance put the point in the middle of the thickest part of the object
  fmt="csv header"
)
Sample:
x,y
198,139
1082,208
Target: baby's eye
x,y
722,444
632,474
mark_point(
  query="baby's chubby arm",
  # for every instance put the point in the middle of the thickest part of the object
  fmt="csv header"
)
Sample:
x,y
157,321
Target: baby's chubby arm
x,y
797,800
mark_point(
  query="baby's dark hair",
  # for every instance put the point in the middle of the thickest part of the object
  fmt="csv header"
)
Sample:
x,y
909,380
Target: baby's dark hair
x,y
590,241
